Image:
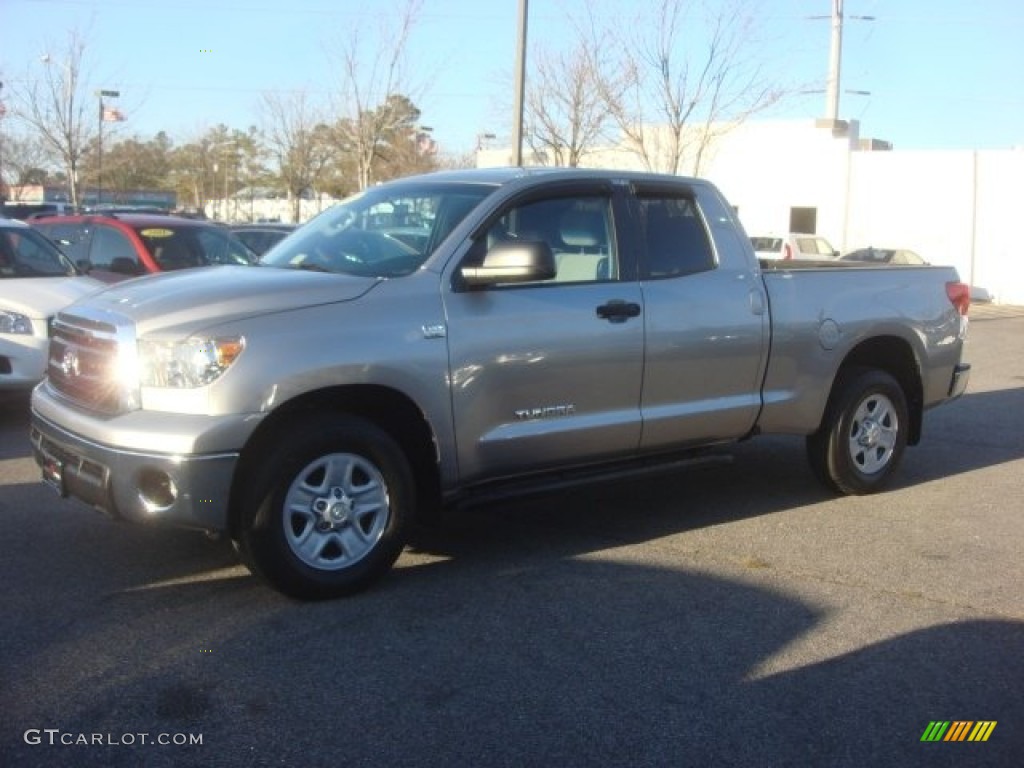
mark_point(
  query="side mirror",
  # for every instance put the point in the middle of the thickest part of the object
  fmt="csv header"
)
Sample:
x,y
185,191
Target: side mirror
x,y
513,262
84,266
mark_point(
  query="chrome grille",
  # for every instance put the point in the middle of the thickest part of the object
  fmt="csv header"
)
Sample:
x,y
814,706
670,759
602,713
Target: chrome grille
x,y
83,364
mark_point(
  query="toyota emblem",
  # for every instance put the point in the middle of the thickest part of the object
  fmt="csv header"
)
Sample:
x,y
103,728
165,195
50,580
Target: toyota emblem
x,y
69,364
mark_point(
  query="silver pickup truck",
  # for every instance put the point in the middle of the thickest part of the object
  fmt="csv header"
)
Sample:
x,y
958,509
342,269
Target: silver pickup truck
x,y
439,338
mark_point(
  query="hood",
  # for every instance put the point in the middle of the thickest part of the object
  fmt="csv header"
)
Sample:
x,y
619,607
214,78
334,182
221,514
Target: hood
x,y
197,298
43,297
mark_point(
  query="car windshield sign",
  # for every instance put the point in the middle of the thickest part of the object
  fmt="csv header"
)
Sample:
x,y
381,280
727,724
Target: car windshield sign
x,y
387,231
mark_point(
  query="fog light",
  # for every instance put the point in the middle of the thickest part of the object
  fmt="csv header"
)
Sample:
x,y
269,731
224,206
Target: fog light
x,y
156,490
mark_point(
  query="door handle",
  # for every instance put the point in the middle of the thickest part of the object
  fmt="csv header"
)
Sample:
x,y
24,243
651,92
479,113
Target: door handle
x,y
618,311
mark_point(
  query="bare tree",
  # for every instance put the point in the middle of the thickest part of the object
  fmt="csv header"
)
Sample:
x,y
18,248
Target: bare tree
x,y
295,134
56,107
565,114
24,162
205,168
679,95
371,73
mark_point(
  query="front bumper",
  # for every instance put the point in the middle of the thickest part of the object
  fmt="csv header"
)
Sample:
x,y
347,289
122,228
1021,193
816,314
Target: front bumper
x,y
183,490
958,384
22,361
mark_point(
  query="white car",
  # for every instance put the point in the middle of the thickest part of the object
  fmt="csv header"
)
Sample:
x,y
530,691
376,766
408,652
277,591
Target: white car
x,y
36,281
793,245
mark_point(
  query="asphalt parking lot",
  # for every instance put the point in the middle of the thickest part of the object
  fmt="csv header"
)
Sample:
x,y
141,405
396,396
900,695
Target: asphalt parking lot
x,y
730,615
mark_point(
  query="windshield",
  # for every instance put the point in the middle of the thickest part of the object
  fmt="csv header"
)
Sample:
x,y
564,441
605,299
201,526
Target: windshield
x,y
386,231
766,243
26,253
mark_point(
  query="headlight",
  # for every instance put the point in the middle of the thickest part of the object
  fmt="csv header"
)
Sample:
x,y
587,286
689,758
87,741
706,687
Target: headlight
x,y
12,322
186,364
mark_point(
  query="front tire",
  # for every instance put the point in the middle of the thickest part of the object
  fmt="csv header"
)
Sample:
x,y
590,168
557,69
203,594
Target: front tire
x,y
863,435
327,511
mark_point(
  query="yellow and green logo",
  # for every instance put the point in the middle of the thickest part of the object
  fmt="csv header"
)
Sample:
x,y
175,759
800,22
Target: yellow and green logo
x,y
958,730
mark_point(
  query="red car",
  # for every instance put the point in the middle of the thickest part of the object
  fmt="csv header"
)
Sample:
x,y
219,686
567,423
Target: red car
x,y
116,247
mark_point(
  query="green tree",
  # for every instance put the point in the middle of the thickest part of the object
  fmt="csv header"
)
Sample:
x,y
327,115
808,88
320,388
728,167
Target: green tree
x,y
131,163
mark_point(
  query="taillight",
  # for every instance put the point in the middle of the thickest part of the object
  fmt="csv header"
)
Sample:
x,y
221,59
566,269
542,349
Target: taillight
x,y
960,296
789,251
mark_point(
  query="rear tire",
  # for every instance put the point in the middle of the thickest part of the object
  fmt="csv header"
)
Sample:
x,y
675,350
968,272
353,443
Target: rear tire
x,y
327,511
863,435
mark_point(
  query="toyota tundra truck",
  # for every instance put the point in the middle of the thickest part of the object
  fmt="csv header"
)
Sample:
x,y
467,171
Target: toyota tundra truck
x,y
454,336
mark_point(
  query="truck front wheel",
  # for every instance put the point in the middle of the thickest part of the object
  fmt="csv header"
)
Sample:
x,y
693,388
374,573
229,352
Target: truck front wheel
x,y
326,511
861,439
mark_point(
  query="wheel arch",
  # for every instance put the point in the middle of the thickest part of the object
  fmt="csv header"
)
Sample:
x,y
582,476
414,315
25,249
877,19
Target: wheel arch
x,y
387,408
895,356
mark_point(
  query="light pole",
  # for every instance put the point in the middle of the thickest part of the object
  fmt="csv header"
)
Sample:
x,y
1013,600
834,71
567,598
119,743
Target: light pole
x,y
219,160
102,115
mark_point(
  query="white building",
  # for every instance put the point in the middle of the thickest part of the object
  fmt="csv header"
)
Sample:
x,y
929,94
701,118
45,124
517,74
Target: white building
x,y
951,206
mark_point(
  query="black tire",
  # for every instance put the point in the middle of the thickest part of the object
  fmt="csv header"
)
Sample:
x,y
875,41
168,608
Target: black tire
x,y
863,435
327,511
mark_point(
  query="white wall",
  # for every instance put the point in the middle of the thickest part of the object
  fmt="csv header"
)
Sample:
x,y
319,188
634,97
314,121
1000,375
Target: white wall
x,y
767,168
244,210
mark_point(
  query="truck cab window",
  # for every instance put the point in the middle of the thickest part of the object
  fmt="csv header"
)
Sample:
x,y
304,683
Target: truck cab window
x,y
676,240
577,229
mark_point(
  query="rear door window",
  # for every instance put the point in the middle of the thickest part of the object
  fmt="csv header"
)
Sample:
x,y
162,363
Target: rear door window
x,y
676,239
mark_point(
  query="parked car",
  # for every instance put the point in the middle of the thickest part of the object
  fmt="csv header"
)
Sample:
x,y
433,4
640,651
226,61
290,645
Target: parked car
x,y
884,256
261,237
794,245
117,247
36,281
26,211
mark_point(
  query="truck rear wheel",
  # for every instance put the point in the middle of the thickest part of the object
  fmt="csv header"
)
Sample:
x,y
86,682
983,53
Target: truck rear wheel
x,y
326,513
861,439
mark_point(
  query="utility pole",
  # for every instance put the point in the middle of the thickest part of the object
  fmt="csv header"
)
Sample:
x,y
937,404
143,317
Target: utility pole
x,y
520,87
3,111
834,62
835,59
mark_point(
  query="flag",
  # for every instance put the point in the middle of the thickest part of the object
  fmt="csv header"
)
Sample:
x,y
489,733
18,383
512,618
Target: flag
x,y
111,115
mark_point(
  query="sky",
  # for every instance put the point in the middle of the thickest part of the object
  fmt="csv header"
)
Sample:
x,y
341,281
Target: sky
x,y
941,74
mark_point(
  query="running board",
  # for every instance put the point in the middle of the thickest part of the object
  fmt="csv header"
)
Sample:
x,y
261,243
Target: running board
x,y
531,485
